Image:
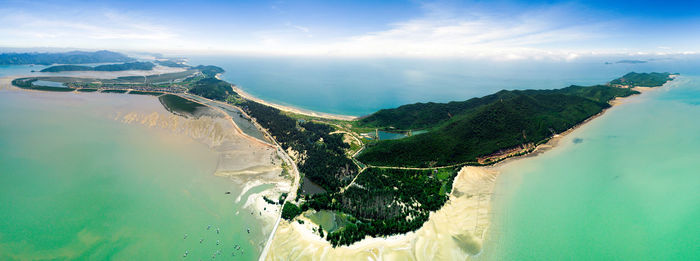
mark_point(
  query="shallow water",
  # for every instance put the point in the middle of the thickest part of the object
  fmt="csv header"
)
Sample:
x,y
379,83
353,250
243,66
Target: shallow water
x,y
622,187
77,184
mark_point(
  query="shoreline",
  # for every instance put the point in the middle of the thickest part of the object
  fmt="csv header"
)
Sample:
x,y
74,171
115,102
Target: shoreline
x,y
470,201
288,108
472,180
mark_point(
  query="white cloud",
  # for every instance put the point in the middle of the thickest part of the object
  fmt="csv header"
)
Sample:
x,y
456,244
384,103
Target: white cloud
x,y
98,29
444,33
553,32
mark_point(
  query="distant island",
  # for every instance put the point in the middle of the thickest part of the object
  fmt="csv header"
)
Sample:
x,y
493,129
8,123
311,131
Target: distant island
x,y
75,57
629,61
144,66
374,187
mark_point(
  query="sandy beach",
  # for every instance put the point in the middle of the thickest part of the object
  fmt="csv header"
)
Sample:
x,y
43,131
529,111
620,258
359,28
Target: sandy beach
x,y
246,95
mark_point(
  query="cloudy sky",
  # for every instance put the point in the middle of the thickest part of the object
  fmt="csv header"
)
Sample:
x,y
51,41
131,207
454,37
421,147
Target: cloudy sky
x,y
506,29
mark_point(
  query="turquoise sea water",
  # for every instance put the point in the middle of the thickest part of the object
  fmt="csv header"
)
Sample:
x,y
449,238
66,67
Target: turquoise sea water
x,y
364,85
75,184
623,187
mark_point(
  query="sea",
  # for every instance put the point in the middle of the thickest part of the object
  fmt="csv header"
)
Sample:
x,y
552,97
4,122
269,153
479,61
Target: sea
x,y
75,184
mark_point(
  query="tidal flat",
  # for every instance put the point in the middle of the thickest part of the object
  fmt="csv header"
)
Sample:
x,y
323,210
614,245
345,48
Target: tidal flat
x,y
109,176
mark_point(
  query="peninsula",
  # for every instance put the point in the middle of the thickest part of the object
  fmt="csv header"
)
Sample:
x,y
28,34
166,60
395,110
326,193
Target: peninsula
x,y
350,184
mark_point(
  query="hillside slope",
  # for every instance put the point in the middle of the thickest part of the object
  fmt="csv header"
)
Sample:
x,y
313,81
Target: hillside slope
x,y
489,124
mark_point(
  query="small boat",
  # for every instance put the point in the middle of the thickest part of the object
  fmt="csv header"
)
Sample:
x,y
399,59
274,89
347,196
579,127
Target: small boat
x,y
208,227
200,240
186,252
248,230
185,236
218,242
217,230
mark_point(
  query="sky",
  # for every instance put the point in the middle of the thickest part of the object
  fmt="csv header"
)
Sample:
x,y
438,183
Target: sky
x,y
481,29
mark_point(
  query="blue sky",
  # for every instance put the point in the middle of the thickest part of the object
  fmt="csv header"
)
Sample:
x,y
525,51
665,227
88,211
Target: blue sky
x,y
491,29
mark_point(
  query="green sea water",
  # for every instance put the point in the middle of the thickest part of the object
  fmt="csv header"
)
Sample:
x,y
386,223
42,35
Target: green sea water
x,y
75,184
625,186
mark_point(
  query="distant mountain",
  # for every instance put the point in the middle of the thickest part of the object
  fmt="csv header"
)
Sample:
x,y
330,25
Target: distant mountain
x,y
75,57
145,66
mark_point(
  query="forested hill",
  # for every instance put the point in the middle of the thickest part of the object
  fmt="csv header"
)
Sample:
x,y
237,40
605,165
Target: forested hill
x,y
634,79
75,57
426,115
489,124
144,66
429,115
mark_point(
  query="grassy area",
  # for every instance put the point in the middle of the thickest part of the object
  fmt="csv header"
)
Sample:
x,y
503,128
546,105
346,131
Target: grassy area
x,y
87,90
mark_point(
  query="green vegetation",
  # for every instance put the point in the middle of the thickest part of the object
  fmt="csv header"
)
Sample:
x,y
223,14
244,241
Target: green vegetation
x,y
28,83
181,106
269,201
172,63
66,68
386,202
634,79
75,57
146,93
321,155
87,90
209,70
212,88
167,78
114,91
290,211
283,196
499,121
